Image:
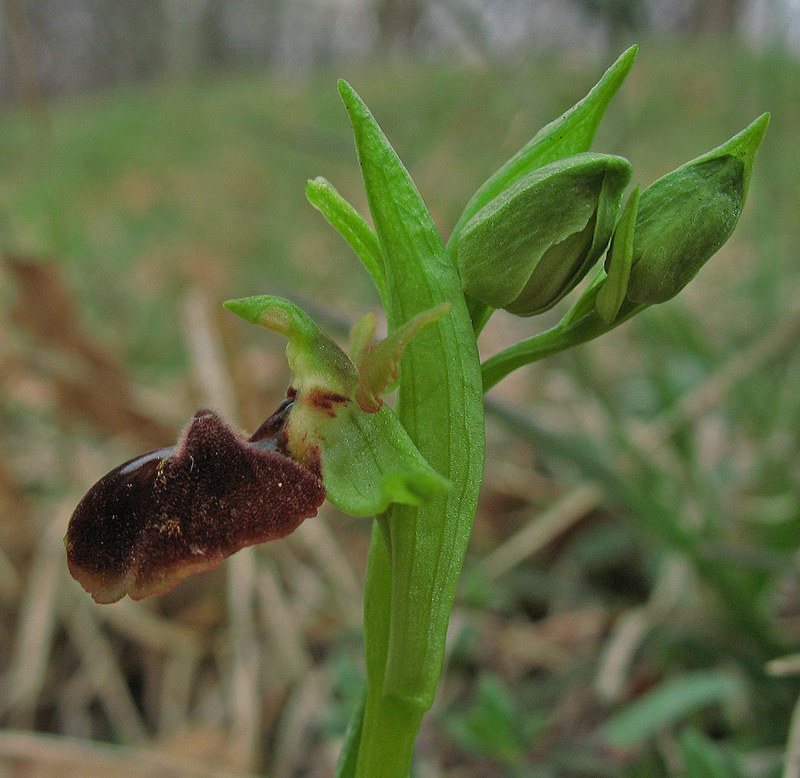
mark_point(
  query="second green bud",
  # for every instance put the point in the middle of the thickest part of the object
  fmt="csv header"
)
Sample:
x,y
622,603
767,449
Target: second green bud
x,y
535,241
687,215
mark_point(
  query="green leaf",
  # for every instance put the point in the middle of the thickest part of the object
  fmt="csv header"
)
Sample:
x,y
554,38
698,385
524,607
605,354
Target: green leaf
x,y
351,226
491,726
702,758
348,758
440,404
612,293
668,704
571,133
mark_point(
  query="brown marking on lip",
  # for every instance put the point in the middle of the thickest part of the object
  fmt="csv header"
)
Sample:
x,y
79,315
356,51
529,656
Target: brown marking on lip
x,y
147,525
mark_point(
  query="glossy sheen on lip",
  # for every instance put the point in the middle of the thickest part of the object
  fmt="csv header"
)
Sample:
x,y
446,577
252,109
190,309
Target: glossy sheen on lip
x,y
169,513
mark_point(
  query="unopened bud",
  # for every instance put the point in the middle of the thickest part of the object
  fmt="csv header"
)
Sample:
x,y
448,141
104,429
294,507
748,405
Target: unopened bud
x,y
535,241
686,216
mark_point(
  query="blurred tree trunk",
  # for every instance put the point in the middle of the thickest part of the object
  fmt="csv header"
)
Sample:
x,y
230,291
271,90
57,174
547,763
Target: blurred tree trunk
x,y
22,59
397,22
716,15
184,36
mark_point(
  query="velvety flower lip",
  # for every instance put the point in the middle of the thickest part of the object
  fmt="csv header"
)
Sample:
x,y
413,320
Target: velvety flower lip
x,y
168,513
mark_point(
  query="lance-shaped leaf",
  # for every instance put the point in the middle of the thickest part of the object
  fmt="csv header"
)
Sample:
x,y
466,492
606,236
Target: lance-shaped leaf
x,y
366,458
440,403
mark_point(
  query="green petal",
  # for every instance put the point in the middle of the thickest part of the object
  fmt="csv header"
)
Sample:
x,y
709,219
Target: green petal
x,y
378,362
351,226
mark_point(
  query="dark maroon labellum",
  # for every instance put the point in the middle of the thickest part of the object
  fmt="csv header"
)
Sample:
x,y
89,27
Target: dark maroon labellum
x,y
175,511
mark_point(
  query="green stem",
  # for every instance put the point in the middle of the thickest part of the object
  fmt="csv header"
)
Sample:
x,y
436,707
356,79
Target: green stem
x,y
391,725
563,336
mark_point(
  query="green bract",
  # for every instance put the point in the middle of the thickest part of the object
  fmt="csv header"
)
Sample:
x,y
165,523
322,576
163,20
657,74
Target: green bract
x,y
570,133
612,293
367,459
535,241
686,216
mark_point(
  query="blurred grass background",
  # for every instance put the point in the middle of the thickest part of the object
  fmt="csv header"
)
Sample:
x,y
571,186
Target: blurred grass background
x,y
630,602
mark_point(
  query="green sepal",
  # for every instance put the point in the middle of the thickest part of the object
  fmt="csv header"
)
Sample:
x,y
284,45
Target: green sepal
x,y
367,459
351,226
533,243
572,133
371,463
314,359
618,264
687,215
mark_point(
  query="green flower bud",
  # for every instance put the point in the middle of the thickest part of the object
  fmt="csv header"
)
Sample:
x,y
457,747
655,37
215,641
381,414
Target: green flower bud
x,y
535,241
686,216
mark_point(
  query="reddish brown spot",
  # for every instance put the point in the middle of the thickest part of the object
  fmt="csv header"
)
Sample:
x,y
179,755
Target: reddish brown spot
x,y
162,516
325,402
